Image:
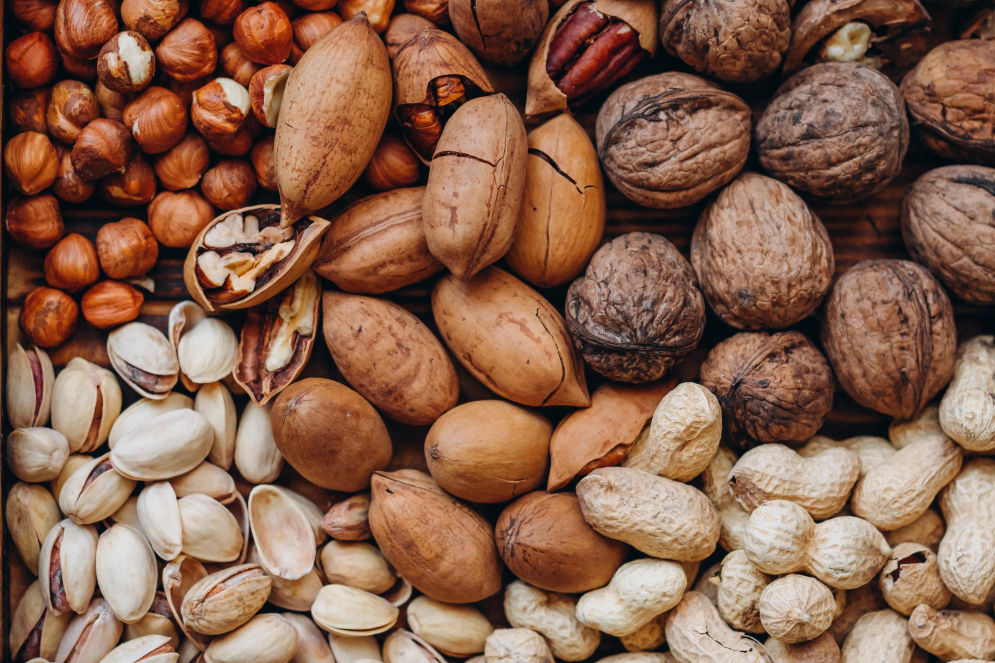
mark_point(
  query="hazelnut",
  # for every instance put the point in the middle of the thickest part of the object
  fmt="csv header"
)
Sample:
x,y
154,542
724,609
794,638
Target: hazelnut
x,y
264,164
177,218
222,12
186,89
393,165
222,34
266,92
48,316
83,26
152,18
315,5
182,165
135,186
402,28
103,147
72,264
111,303
34,14
219,108
377,12
29,60
30,162
229,185
188,52
312,27
26,110
84,70
239,143
264,33
157,119
436,11
236,66
111,102
126,248
126,62
35,221
68,185
71,107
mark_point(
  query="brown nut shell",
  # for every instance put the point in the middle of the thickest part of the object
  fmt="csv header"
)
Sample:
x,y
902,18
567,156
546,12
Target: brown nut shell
x,y
500,32
545,541
437,543
82,27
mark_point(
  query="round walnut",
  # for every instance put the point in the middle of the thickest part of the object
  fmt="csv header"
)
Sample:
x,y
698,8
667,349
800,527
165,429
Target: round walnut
x,y
667,141
888,328
772,387
948,221
636,311
762,258
732,40
951,98
836,131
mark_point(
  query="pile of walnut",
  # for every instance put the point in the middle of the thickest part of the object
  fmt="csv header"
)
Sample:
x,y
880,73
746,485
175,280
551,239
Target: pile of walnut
x,y
199,500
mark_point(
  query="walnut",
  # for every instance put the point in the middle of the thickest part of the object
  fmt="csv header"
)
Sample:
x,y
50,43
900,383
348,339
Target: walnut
x,y
636,311
669,140
836,131
762,258
888,328
951,99
732,40
948,221
772,387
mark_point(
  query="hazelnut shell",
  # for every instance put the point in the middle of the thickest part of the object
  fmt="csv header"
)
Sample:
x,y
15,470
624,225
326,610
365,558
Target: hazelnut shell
x,y
48,316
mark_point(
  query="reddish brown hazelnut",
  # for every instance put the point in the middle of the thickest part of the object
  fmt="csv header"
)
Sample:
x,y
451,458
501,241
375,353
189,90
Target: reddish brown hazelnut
x,y
239,143
26,110
80,68
266,92
68,185
126,62
219,108
182,166
30,162
48,316
34,14
264,164
309,28
230,184
264,33
35,221
103,147
110,303
126,248
315,5
222,12
71,107
236,66
111,102
157,119
436,11
82,27
135,186
188,52
72,264
152,18
30,61
177,218
393,165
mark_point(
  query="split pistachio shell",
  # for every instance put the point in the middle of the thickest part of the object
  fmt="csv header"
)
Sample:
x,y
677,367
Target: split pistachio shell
x,y
352,649
92,635
177,578
456,630
147,649
266,638
67,567
157,621
405,647
159,514
31,512
208,479
94,491
210,531
214,401
136,417
257,457
144,358
126,572
128,514
240,511
349,611
171,444
35,630
206,348
30,379
311,511
283,535
311,644
358,565
226,599
296,595
86,399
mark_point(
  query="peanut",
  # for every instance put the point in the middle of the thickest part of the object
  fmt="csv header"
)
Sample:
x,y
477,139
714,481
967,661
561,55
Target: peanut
x,y
516,645
910,577
820,650
953,633
881,637
871,450
646,637
796,608
638,592
553,616
859,602
696,634
732,516
967,411
639,657
740,584
925,530
966,554
903,432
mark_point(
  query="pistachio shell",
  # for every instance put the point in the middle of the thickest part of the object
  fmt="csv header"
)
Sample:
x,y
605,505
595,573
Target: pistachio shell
x,y
35,630
456,630
126,572
86,399
36,454
282,532
159,514
158,621
206,348
208,479
266,638
215,402
94,491
356,564
177,578
128,515
257,457
67,567
349,611
30,379
136,416
405,647
210,532
73,463
90,636
146,649
144,358
296,595
31,512
226,599
352,649
311,644
172,443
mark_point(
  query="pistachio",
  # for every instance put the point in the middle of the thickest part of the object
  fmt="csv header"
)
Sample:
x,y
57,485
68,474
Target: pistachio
x,y
405,647
29,387
67,567
90,636
73,463
282,532
147,649
400,593
126,572
86,399
296,595
206,348
277,340
311,511
208,479
171,444
34,629
94,491
210,531
159,514
177,578
237,507
36,454
266,638
358,565
128,515
144,358
256,455
226,599
311,644
157,621
353,649
455,630
214,401
31,512
349,611
137,415
348,520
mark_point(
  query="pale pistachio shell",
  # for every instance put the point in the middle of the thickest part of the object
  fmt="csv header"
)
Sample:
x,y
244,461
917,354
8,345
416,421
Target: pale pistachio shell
x,y
24,407
311,511
214,401
159,513
296,595
76,557
84,393
405,647
311,644
178,577
210,532
208,351
553,616
208,479
356,564
154,623
283,535
90,636
36,454
126,572
189,651
100,498
257,457
172,444
353,649
349,611
128,515
266,638
240,511
183,317
136,416
31,512
140,649
73,463
455,630
400,593
29,616
144,358
226,599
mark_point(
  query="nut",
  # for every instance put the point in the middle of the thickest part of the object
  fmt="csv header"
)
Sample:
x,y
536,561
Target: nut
x,y
152,18
35,14
48,316
206,348
229,184
126,248
966,566
82,27
71,107
456,630
129,594
86,399
71,264
66,567
377,11
264,34
221,12
182,166
848,44
103,147
715,484
696,632
177,218
402,27
796,608
264,163
739,586
911,577
392,166
69,186
953,634
29,387
639,591
965,411
111,303
35,221
31,512
26,110
214,401
348,520
83,69
143,357
157,118
348,611
266,92
135,186
284,539
188,52
500,33
239,143
111,103
256,456
309,28
30,162
226,599
436,11
219,108
552,616
30,60
236,66
267,638
823,648
94,492
883,634
36,454
210,531
126,62
358,565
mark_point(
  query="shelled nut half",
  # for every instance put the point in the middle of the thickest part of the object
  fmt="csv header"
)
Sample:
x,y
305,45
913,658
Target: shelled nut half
x,y
91,635
30,380
144,359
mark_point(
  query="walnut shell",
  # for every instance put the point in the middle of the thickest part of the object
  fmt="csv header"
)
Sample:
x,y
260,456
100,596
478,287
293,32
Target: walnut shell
x,y
772,387
669,140
836,131
948,222
762,258
951,99
636,311
732,40
888,328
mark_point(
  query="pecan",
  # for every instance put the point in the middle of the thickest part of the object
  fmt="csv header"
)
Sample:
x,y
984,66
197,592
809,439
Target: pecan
x,y
422,123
